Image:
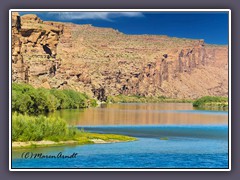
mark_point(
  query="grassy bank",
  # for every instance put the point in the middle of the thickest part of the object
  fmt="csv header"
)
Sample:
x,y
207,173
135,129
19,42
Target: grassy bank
x,y
206,102
142,99
41,131
26,99
211,102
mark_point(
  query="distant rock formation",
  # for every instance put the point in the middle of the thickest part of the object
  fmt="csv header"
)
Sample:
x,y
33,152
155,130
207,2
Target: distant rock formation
x,y
104,61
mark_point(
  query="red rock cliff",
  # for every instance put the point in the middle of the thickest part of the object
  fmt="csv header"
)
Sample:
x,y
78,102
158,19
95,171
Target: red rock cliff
x,y
105,61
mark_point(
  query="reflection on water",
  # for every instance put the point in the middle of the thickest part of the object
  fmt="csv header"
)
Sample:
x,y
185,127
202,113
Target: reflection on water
x,y
140,114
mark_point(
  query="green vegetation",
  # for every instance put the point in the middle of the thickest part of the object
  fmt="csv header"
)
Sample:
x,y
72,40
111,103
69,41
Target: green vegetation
x,y
143,99
37,128
26,99
27,128
164,138
212,102
32,130
107,137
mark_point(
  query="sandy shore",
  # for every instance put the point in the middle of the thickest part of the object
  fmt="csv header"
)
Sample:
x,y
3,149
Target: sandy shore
x,y
45,143
100,141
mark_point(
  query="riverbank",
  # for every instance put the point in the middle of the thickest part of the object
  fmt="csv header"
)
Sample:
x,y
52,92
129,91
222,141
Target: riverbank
x,y
143,99
35,101
211,103
206,102
92,138
30,100
40,131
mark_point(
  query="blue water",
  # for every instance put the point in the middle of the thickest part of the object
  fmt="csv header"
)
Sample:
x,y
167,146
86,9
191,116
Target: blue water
x,y
188,146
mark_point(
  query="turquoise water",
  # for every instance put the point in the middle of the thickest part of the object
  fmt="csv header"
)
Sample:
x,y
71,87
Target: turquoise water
x,y
188,146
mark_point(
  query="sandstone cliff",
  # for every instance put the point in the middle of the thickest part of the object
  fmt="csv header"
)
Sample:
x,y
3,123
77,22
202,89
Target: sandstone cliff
x,y
104,61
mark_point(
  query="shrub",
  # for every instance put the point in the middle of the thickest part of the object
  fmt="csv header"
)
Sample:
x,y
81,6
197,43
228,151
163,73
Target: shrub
x,y
37,128
21,102
26,99
63,102
93,103
75,99
210,100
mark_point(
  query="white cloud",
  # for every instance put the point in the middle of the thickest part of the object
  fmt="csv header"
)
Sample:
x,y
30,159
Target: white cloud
x,y
94,15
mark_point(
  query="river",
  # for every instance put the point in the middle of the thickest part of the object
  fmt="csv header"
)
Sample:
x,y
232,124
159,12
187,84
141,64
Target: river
x,y
194,138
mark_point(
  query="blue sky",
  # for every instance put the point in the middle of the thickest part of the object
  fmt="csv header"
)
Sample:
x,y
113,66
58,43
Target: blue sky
x,y
210,26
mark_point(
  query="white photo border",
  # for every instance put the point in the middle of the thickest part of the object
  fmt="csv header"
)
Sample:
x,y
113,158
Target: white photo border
x,y
119,10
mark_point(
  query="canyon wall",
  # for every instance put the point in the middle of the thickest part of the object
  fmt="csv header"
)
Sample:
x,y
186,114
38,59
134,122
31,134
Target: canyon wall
x,y
104,61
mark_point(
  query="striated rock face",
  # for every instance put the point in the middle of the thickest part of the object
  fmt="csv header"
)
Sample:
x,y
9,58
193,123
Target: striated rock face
x,y
34,48
103,61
